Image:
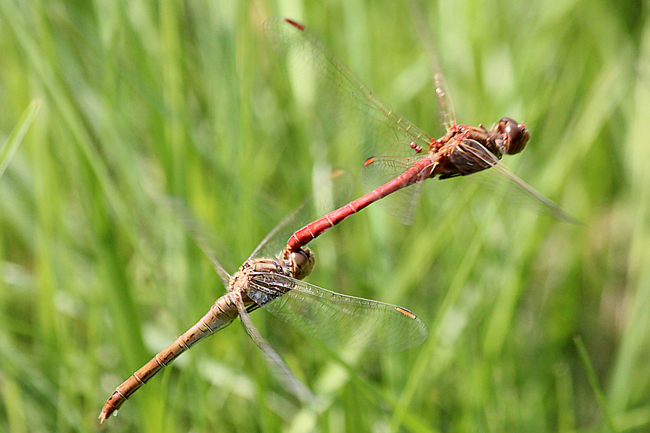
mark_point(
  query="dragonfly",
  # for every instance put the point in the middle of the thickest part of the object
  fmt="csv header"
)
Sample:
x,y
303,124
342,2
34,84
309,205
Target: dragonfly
x,y
276,285
461,151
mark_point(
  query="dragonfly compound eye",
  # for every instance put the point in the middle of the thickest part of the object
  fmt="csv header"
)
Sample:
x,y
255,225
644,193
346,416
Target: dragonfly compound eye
x,y
517,135
302,262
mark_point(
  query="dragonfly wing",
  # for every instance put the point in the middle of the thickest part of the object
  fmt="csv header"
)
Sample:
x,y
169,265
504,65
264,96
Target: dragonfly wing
x,y
381,169
447,115
332,190
276,239
201,235
517,190
279,368
344,97
337,319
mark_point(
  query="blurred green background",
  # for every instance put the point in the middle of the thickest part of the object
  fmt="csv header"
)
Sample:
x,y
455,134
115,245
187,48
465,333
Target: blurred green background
x,y
142,100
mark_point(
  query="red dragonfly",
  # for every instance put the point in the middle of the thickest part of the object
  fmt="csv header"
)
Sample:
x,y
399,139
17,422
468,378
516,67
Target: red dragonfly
x,y
275,285
463,149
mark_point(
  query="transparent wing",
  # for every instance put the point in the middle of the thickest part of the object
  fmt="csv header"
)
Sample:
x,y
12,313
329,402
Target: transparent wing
x,y
381,169
277,237
518,191
201,235
278,367
447,115
331,191
383,130
337,319
334,189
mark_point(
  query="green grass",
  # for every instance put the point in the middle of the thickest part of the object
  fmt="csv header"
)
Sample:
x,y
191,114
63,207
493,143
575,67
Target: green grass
x,y
141,101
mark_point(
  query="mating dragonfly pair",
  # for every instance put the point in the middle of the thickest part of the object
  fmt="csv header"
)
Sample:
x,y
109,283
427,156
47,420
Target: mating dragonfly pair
x,y
276,285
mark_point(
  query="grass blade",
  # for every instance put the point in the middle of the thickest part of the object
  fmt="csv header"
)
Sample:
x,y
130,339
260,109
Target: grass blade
x,y
17,135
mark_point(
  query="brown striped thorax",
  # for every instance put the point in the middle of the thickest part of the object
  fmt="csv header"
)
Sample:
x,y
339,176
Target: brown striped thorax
x,y
461,151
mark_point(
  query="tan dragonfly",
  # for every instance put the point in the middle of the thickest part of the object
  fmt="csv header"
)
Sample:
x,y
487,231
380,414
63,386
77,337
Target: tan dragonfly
x,y
275,285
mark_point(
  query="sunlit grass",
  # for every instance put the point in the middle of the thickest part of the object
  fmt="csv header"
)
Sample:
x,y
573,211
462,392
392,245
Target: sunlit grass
x,y
142,101
9,149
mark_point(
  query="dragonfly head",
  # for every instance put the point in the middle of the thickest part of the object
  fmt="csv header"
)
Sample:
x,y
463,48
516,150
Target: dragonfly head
x,y
514,136
301,262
